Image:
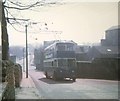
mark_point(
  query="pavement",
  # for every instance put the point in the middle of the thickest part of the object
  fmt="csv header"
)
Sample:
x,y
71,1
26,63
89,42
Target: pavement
x,y
27,89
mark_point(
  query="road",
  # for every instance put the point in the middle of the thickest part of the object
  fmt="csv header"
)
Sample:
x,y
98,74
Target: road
x,y
67,89
81,89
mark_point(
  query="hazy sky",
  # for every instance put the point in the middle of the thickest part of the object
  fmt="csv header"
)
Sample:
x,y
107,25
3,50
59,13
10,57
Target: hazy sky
x,y
82,22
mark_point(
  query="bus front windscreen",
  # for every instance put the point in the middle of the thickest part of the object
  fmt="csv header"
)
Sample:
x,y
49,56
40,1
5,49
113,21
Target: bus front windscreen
x,y
71,63
62,62
66,63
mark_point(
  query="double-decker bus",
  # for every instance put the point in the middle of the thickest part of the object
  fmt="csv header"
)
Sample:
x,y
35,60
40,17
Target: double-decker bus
x,y
60,61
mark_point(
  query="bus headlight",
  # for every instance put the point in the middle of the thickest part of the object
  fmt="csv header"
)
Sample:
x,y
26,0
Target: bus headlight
x,y
73,71
61,71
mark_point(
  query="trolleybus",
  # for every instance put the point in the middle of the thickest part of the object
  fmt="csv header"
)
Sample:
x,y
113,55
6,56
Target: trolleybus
x,y
60,61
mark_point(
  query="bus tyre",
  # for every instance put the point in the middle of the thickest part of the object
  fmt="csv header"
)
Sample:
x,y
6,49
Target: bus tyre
x,y
74,79
54,76
47,75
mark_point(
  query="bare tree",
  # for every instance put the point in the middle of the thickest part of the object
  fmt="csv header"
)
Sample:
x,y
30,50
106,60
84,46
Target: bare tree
x,y
9,5
5,43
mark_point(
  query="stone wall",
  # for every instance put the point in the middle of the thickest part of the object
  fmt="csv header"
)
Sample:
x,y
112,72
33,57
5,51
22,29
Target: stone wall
x,y
0,71
13,76
17,74
9,91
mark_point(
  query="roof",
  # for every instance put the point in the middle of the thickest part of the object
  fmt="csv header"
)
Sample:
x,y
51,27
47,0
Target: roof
x,y
82,49
114,27
107,49
61,41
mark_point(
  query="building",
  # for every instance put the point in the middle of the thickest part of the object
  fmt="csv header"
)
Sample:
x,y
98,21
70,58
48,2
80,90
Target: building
x,y
81,52
110,46
112,37
38,58
104,58
103,52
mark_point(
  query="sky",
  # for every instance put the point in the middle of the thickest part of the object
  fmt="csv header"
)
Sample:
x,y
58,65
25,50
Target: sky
x,y
82,22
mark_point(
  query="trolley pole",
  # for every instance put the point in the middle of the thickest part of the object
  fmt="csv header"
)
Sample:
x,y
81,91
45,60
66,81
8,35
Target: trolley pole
x,y
26,52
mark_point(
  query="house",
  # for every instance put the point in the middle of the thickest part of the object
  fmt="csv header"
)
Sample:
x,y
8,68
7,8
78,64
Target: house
x,y
112,37
110,46
103,52
81,52
103,58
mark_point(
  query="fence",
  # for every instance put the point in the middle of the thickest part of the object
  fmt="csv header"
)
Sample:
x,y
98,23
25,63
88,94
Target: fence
x,y
99,69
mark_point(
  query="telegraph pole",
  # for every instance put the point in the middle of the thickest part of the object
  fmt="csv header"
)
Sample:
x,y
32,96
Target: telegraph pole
x,y
23,61
27,48
26,52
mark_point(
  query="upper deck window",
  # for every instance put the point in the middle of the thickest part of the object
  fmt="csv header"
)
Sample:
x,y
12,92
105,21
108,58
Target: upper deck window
x,y
65,47
61,47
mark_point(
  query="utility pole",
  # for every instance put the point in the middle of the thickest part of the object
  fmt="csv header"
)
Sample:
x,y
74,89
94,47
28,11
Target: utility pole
x,y
23,61
26,52
27,49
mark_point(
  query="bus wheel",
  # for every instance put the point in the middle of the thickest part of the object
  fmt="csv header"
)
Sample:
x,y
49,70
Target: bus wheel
x,y
47,75
54,76
74,79
60,78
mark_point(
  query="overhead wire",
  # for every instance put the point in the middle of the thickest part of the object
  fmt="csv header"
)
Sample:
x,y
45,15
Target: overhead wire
x,y
25,7
16,29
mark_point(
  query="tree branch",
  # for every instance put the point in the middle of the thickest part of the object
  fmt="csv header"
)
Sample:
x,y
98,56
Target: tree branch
x,y
15,28
18,19
24,7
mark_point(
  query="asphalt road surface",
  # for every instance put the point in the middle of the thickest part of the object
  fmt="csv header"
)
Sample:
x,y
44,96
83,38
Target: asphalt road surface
x,y
81,89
